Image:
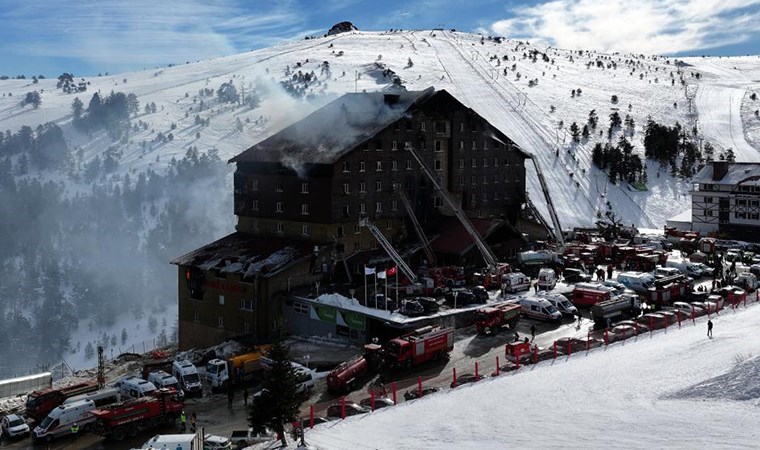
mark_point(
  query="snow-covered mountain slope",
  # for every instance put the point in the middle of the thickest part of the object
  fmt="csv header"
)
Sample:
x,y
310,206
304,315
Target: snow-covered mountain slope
x,y
678,389
497,79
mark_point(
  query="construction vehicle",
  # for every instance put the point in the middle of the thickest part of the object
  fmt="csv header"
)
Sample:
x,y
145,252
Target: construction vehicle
x,y
40,403
118,421
618,307
221,373
421,345
490,320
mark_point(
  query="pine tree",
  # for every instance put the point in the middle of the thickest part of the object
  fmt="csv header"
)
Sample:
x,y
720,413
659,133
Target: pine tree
x,y
615,120
593,119
585,133
279,400
575,132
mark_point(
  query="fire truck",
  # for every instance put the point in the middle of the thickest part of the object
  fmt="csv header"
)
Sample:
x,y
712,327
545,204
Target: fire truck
x,y
589,294
621,306
492,319
519,349
40,403
421,345
668,290
118,421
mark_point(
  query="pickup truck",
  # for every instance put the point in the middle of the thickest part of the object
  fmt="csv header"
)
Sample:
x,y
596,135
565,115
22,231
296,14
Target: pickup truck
x,y
244,438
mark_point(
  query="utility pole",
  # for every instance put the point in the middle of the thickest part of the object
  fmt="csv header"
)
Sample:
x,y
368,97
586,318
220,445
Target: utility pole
x,y
101,368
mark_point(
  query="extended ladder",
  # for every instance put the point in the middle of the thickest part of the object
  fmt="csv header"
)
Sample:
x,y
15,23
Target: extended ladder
x,y
432,261
549,204
389,249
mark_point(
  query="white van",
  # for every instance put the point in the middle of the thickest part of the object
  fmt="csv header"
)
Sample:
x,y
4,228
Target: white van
x,y
685,267
187,375
162,379
515,282
662,272
547,279
538,308
134,387
636,281
174,442
107,396
305,377
559,301
60,420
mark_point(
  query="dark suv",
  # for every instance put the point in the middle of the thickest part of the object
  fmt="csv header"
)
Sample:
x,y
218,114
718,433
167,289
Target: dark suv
x,y
573,276
464,297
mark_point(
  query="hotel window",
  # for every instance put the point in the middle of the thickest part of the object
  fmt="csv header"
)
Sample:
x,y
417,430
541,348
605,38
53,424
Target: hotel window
x,y
437,164
461,164
495,196
754,216
394,205
378,166
407,144
279,227
474,145
196,317
301,308
378,145
346,211
440,127
495,179
357,229
423,145
408,164
438,146
379,186
378,206
708,213
346,188
473,162
473,180
345,166
394,146
357,247
221,300
279,186
246,304
422,126
255,205
340,231
496,162
485,144
362,166
305,209
220,322
461,126
362,188
255,185
485,197
246,327
278,207
255,225
485,179
394,165
304,230
362,208
408,125
304,188
461,181
438,201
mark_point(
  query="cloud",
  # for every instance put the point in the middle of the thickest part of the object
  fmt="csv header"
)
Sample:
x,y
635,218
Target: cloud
x,y
643,26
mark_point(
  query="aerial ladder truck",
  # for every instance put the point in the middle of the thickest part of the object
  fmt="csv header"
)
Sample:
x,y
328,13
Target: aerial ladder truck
x,y
549,204
494,268
432,260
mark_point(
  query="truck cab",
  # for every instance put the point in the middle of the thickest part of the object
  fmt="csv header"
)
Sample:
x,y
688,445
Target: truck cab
x,y
187,375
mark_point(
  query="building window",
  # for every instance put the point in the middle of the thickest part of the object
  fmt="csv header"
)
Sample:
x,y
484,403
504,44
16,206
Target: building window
x,y
485,144
378,145
407,145
438,146
485,162
461,126
394,165
220,323
362,208
357,229
196,317
461,145
279,186
362,166
304,188
279,227
255,185
246,327
255,205
440,127
305,209
495,179
357,247
378,186
422,126
496,162
304,230
754,216
394,205
246,304
221,300
438,201
362,188
473,180
485,179
474,145
278,207
340,232
378,166
423,145
378,206
301,308
708,213
461,181
461,164
437,164
346,166
255,225
408,164
346,211
473,162
495,196
346,188
394,146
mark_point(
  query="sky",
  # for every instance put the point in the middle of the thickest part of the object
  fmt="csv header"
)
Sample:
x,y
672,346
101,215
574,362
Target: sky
x,y
87,37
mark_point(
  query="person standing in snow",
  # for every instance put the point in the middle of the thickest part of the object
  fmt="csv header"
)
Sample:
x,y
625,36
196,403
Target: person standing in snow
x,y
245,396
709,328
532,332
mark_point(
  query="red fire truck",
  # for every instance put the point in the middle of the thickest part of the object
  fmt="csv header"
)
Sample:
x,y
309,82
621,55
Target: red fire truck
x,y
589,294
343,377
40,403
490,320
667,290
120,420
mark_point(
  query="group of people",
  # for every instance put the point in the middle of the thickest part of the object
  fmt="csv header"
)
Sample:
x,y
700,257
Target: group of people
x,y
183,421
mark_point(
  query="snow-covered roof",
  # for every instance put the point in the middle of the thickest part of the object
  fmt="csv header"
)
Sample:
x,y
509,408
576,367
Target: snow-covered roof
x,y
247,254
744,173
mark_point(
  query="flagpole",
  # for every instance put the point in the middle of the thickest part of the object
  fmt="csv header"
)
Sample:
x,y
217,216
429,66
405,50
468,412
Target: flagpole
x,y
374,288
396,286
385,305
365,284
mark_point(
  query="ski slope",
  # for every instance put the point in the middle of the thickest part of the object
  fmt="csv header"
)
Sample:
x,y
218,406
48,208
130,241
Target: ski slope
x,y
497,79
673,390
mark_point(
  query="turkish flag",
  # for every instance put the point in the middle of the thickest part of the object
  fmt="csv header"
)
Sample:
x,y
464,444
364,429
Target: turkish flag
x,y
391,271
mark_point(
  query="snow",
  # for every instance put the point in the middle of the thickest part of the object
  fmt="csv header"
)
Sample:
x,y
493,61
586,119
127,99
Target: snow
x,y
671,389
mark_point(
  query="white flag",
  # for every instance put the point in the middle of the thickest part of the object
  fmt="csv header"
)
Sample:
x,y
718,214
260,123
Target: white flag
x,y
381,275
369,270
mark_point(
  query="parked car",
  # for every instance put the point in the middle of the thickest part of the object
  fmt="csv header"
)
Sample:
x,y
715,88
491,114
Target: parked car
x,y
412,308
481,294
618,287
573,276
415,393
417,306
467,378
643,328
463,297
214,442
14,426
620,332
687,308
352,409
380,402
656,320
716,299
